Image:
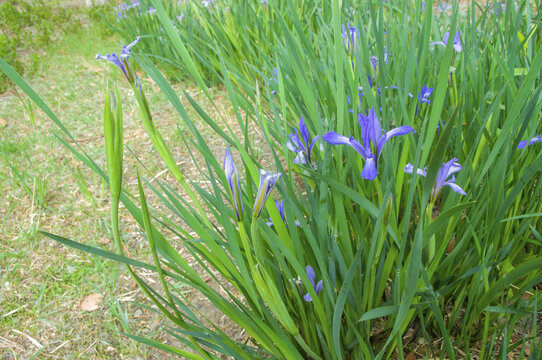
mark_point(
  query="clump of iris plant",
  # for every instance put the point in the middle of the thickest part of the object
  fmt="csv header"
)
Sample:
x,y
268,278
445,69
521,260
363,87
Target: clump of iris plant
x,y
523,143
317,287
121,61
448,169
457,41
232,175
372,141
302,146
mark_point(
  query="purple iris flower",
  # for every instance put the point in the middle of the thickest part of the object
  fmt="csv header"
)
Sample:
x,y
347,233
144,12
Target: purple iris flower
x,y
447,169
371,132
425,92
360,97
264,3
303,146
497,9
233,183
422,6
120,16
122,60
457,41
151,10
280,207
444,7
318,287
396,88
375,60
267,183
350,35
275,78
524,143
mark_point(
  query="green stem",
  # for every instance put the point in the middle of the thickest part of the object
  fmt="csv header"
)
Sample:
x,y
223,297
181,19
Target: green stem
x,y
259,246
114,211
432,243
246,245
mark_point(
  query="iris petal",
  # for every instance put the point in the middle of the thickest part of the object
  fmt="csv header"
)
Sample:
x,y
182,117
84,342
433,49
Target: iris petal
x,y
310,274
369,169
319,287
401,130
524,143
445,38
375,130
267,183
457,42
455,187
336,139
313,142
232,175
409,169
364,123
304,131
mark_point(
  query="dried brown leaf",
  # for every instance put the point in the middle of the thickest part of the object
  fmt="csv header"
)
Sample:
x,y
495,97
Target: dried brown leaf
x,y
91,302
103,241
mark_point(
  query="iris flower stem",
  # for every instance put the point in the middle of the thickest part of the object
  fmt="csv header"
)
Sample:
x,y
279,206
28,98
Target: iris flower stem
x,y
373,290
251,264
390,253
432,241
378,190
454,88
259,246
114,211
246,244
